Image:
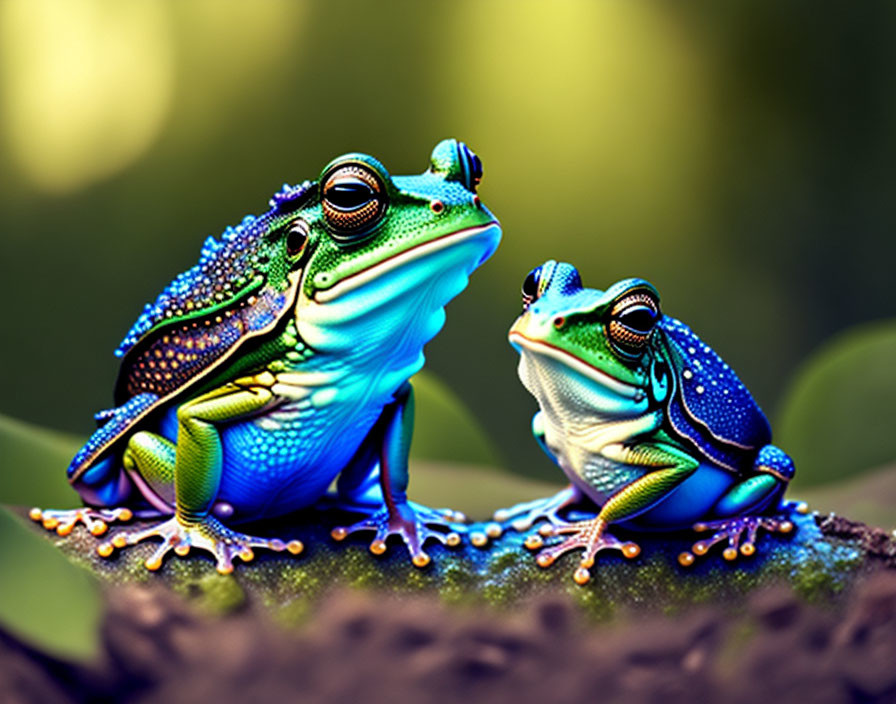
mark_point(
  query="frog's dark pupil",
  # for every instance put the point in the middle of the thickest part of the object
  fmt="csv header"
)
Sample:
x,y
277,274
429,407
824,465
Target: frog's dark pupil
x,y
639,319
295,239
530,285
349,195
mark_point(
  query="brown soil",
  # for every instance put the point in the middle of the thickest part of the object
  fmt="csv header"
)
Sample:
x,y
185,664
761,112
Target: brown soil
x,y
876,542
358,647
379,646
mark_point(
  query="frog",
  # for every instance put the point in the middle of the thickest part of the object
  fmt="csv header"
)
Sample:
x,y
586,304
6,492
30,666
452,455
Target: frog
x,y
647,422
273,375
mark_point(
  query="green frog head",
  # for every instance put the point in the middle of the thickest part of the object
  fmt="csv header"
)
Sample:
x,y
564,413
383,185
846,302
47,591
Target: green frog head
x,y
583,351
593,356
366,261
389,252
361,217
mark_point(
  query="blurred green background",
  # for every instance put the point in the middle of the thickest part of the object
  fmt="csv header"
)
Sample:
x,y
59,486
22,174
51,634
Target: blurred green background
x,y
739,155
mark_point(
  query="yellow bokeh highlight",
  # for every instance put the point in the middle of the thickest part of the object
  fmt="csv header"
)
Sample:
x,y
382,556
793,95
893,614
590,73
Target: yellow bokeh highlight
x,y
603,105
86,86
230,55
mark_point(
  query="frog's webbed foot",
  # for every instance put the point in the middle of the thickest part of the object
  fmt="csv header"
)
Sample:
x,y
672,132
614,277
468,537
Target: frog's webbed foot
x,y
208,534
411,522
522,516
589,536
740,532
454,521
96,520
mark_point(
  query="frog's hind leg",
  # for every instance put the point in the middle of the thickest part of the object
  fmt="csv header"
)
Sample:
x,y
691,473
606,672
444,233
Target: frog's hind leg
x,y
740,510
149,460
96,520
105,488
147,464
96,473
195,474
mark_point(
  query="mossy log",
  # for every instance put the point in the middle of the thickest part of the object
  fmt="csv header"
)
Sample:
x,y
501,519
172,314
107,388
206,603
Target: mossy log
x,y
819,561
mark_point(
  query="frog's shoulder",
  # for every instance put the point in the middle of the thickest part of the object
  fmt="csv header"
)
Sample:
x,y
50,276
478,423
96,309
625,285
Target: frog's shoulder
x,y
169,361
711,406
200,321
229,268
210,310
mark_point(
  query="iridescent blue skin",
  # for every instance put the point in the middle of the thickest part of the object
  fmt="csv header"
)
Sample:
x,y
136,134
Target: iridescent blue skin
x,y
645,420
280,362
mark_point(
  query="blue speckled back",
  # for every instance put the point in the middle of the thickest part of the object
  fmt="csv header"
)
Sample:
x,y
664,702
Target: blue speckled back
x,y
225,266
712,404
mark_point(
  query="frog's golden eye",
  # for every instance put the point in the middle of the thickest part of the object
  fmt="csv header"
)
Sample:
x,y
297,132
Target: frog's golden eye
x,y
353,200
631,321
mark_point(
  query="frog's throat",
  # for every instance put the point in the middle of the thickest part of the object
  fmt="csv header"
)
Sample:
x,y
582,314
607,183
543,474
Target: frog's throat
x,y
365,276
589,371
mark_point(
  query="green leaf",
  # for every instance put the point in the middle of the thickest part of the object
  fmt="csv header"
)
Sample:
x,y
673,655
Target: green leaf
x,y
444,429
837,420
32,465
47,601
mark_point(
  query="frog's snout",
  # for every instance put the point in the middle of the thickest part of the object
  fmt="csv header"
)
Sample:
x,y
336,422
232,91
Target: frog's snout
x,y
457,162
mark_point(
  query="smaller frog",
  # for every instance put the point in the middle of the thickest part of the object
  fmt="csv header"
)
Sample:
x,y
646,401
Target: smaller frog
x,y
645,420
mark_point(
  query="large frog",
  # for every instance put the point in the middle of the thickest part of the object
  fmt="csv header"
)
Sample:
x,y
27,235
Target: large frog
x,y
281,361
645,420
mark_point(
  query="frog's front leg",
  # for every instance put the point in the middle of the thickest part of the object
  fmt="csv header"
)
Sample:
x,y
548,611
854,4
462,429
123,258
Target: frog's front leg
x,y
670,465
390,438
523,515
740,508
196,473
359,488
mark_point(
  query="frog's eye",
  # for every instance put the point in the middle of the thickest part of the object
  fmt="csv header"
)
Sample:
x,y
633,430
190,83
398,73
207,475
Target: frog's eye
x,y
530,287
353,200
296,237
632,320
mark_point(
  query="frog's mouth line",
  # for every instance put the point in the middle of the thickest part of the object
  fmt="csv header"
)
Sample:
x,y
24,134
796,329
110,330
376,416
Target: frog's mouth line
x,y
417,251
587,370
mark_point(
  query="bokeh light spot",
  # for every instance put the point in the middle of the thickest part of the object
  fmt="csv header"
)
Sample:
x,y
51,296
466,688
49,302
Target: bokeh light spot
x,y
86,86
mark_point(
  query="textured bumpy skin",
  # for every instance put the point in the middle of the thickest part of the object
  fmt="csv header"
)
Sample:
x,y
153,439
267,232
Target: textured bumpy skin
x,y
227,268
646,420
199,317
712,406
281,360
